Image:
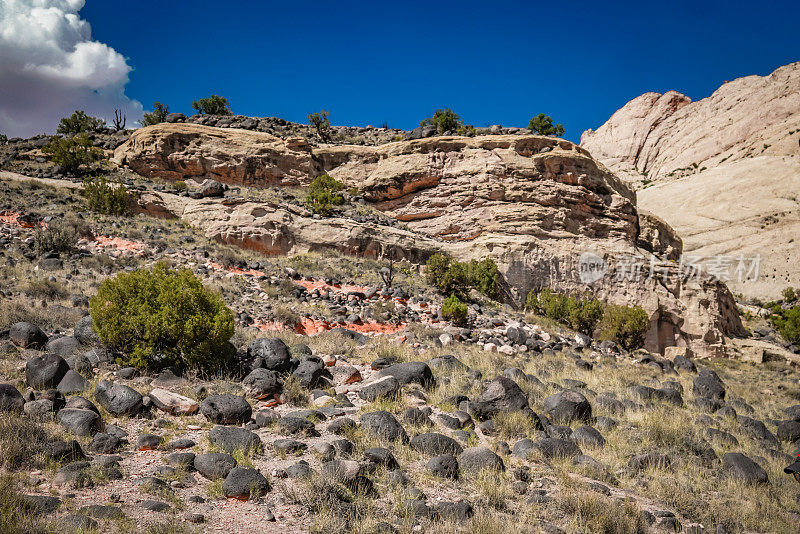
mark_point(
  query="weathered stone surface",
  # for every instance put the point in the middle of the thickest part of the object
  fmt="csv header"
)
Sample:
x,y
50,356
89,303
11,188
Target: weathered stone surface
x,y
84,332
45,371
118,399
433,443
383,387
270,353
479,458
231,438
501,395
27,336
226,409
63,346
568,406
173,403
80,422
262,383
242,483
658,237
383,425
72,383
214,465
11,399
735,156
740,467
408,372
181,151
445,466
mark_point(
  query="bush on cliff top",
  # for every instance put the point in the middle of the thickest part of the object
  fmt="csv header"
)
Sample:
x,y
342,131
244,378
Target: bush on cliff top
x,y
161,317
543,125
157,116
71,153
445,120
213,105
79,122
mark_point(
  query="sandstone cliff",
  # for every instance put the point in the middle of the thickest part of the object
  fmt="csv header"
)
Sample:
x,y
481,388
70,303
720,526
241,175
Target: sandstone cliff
x,y
723,171
533,204
658,135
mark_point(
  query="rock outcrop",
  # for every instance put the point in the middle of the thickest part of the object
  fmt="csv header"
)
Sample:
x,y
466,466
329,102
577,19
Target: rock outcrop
x,y
657,134
537,205
182,151
723,171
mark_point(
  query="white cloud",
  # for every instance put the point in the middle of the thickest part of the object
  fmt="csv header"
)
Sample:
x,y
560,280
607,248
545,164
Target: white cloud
x,y
49,67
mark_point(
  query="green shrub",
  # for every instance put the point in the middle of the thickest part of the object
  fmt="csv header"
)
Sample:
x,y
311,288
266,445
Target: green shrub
x,y
213,105
485,277
3,139
454,310
448,276
321,123
323,194
788,324
79,122
543,125
55,237
71,153
104,197
584,314
445,120
789,294
162,317
625,325
552,305
451,277
158,115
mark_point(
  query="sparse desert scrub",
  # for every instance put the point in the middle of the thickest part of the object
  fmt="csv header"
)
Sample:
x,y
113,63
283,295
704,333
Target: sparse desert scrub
x,y
591,512
14,310
44,288
22,442
16,516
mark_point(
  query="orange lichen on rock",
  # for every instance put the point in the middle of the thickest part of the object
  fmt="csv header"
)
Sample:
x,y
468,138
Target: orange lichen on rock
x,y
309,327
120,244
11,218
311,285
235,270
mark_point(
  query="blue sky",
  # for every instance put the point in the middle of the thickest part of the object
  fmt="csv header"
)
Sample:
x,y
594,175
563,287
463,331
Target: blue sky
x,y
492,62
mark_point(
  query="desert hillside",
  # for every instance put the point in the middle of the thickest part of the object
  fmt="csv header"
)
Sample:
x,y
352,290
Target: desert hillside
x,y
724,171
206,327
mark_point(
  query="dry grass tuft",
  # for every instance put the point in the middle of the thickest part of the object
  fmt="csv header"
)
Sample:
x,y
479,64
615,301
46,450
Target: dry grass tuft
x,y
22,442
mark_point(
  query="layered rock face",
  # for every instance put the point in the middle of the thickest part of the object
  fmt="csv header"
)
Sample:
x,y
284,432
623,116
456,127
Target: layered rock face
x,y
723,171
533,204
182,151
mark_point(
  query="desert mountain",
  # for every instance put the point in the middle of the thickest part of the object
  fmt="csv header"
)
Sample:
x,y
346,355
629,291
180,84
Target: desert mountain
x,y
723,171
